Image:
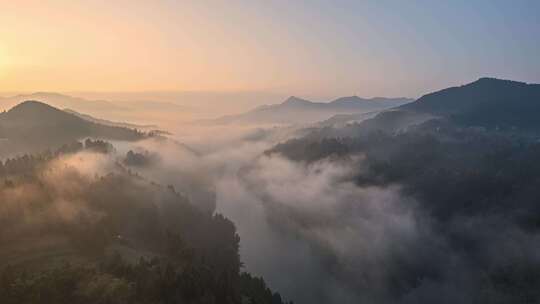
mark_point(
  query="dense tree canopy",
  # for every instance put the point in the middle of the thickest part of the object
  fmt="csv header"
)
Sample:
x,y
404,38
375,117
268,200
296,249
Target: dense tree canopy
x,y
476,195
70,237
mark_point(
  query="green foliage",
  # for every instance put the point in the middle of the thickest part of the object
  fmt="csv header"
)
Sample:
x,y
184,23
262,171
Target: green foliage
x,y
166,250
474,193
115,281
255,291
35,126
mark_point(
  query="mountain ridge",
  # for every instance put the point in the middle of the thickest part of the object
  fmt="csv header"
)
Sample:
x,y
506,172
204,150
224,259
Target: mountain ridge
x,y
296,110
109,122
486,102
489,102
34,125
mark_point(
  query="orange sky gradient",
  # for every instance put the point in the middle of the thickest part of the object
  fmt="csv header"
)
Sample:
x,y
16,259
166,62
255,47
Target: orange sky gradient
x,y
318,48
137,46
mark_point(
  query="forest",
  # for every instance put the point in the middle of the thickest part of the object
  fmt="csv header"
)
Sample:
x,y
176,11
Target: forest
x,y
72,237
474,194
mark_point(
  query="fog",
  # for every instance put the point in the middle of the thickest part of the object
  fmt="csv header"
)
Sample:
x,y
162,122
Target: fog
x,y
307,229
164,109
317,236
318,228
57,198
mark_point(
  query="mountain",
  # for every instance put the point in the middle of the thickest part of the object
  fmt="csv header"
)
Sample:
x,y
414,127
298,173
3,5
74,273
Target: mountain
x,y
33,125
149,105
112,236
487,102
295,110
140,111
472,189
340,120
108,122
62,101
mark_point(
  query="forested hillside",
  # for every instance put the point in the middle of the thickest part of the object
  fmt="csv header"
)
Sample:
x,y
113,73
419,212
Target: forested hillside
x,y
35,126
76,226
474,195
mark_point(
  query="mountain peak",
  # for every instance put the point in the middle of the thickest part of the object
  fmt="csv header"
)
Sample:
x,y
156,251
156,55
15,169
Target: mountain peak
x,y
43,93
346,99
485,102
33,125
491,81
32,110
293,100
32,105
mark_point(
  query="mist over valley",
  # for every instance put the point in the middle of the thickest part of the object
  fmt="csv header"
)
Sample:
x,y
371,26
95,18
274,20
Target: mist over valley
x,y
399,206
269,152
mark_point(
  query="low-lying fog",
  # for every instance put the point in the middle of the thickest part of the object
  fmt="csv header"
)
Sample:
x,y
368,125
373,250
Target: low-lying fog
x,y
301,227
344,220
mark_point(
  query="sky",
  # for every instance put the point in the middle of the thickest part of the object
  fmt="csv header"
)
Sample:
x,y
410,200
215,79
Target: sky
x,y
305,48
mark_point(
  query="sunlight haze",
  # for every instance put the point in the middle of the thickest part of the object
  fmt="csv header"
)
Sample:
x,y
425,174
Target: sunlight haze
x,y
269,151
316,48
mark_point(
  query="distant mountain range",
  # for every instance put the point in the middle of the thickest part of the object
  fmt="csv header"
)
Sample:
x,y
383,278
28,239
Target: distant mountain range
x,y
34,125
62,101
295,110
133,110
108,122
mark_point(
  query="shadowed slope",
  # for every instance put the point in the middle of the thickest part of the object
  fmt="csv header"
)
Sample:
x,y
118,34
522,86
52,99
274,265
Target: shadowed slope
x,y
486,102
34,125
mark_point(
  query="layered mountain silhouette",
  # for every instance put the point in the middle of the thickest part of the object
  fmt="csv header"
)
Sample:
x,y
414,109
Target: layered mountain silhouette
x,y
116,110
297,110
488,102
35,125
109,122
62,101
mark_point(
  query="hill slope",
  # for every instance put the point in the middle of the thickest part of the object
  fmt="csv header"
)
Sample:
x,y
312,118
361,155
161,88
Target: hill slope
x,y
108,122
67,236
62,101
134,110
33,125
486,102
297,110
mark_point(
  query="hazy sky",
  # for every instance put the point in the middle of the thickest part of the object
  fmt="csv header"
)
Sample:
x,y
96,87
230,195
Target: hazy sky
x,y
306,48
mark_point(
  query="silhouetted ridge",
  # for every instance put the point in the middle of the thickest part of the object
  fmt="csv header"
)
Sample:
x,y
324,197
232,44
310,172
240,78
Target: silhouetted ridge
x,y
346,100
38,112
487,102
495,82
297,110
295,101
33,125
32,105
